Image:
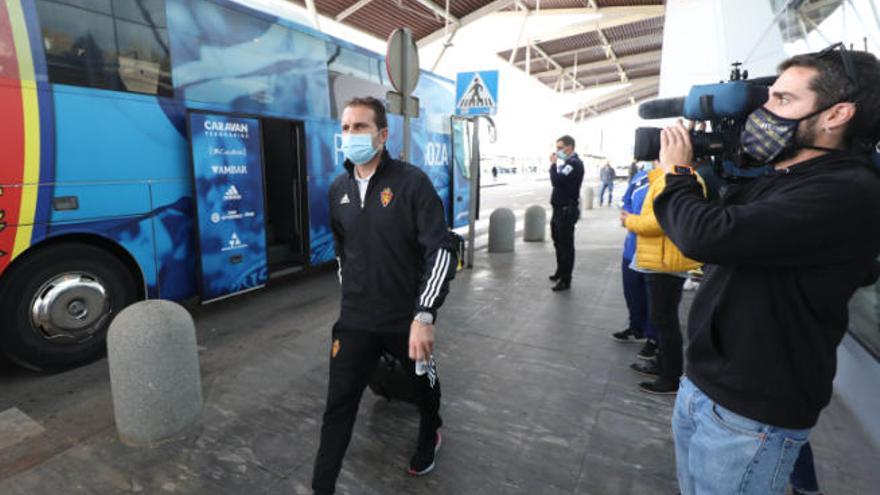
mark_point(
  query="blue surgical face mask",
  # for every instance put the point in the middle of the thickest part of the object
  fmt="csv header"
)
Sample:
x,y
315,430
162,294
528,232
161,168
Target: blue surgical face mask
x,y
561,154
358,148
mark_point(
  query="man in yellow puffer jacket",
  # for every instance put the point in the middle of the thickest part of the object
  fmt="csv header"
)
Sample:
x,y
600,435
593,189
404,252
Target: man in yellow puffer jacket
x,y
666,270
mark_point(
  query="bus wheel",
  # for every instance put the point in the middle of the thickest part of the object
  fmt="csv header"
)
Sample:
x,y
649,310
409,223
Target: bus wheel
x,y
61,300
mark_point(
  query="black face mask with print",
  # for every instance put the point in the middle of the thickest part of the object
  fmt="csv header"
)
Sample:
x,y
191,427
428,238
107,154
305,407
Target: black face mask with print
x,y
767,137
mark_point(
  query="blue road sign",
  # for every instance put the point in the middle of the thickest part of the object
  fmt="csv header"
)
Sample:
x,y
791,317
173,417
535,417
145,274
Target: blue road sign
x,y
476,93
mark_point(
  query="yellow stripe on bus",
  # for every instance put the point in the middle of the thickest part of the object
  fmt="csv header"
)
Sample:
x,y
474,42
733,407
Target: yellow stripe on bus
x,y
31,119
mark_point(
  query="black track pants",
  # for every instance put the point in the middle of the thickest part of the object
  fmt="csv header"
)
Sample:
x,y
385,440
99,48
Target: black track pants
x,y
354,355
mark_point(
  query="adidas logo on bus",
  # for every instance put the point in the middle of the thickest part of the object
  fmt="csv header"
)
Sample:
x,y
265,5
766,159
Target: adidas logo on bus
x,y
231,194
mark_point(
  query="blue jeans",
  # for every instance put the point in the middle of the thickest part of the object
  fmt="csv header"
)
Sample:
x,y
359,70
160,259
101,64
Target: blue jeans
x,y
635,291
718,452
606,186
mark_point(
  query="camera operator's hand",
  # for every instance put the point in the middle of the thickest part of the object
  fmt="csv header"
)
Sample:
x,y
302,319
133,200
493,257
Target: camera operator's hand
x,y
675,147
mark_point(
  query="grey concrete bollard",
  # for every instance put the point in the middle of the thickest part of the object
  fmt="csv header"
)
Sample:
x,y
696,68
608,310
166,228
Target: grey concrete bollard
x,y
502,229
154,372
535,224
588,198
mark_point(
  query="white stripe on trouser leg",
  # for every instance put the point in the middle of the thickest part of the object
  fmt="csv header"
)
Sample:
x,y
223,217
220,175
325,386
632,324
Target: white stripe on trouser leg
x,y
440,280
437,262
339,272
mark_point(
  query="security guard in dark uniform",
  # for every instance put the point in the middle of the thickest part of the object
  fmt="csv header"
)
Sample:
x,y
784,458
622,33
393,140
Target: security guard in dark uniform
x,y
396,257
566,178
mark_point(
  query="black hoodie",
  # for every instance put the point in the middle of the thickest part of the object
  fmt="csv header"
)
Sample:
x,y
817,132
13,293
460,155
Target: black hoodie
x,y
396,255
785,253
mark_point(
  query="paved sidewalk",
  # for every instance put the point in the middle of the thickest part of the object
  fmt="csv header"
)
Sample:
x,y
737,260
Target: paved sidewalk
x,y
537,399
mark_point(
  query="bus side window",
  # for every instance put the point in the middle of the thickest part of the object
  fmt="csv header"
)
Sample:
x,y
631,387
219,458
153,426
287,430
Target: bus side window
x,y
352,74
120,44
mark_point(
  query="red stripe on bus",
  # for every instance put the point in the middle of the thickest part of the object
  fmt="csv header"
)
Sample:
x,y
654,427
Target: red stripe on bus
x,y
11,138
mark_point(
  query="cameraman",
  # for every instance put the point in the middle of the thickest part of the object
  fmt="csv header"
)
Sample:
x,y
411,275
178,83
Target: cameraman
x,y
784,253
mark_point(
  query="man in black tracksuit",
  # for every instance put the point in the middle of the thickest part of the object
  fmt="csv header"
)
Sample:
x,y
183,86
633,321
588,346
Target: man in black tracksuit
x,y
566,178
395,262
784,253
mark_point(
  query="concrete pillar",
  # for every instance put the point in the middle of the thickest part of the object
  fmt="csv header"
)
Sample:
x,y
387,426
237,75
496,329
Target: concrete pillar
x,y
588,198
535,224
701,38
154,372
502,230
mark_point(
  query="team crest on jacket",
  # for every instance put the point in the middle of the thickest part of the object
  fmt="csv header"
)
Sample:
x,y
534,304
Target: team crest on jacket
x,y
386,197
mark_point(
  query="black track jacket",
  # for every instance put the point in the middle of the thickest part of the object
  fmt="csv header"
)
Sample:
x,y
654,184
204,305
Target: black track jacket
x,y
786,253
396,255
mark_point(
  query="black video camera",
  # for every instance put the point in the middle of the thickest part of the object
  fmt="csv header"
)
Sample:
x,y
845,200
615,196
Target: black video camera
x,y
725,105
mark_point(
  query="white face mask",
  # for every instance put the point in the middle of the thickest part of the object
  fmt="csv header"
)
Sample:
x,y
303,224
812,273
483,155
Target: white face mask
x,y
561,154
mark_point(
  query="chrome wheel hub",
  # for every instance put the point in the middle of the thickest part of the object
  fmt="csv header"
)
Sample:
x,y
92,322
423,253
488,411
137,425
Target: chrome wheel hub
x,y
70,308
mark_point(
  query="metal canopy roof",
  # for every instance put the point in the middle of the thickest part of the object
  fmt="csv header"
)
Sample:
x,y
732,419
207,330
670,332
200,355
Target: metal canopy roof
x,y
622,45
429,20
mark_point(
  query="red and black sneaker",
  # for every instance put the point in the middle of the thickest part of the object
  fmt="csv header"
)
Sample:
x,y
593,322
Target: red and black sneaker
x,y
422,461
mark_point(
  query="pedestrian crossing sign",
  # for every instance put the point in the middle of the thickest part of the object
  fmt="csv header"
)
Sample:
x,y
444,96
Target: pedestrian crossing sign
x,y
476,93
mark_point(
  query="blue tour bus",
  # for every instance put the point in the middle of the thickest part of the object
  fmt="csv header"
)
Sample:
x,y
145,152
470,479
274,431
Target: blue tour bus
x,y
122,123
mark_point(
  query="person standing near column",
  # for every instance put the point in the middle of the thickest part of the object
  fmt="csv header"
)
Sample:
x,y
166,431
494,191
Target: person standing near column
x,y
566,178
606,177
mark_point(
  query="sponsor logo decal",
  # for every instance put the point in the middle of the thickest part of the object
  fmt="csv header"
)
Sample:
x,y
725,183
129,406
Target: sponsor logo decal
x,y
231,194
234,243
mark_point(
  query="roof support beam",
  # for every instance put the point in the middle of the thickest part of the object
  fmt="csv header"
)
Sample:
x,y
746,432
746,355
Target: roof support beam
x,y
601,64
554,63
468,19
626,92
446,45
438,11
522,29
610,55
313,13
640,39
611,17
351,10
637,82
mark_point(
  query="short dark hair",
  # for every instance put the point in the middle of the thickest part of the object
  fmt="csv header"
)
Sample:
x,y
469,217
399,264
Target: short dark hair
x,y
833,85
378,107
566,140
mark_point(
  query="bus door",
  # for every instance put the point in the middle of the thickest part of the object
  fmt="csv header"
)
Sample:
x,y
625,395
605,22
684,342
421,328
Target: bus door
x,y
462,142
286,196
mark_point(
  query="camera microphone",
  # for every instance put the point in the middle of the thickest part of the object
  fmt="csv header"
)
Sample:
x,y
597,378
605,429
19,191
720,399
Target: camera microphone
x,y
735,99
662,108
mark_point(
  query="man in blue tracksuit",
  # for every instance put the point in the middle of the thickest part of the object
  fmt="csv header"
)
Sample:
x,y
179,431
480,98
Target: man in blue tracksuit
x,y
634,289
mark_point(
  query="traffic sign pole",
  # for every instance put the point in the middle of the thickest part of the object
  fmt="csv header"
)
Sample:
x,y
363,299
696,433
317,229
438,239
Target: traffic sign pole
x,y
405,64
402,64
475,184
